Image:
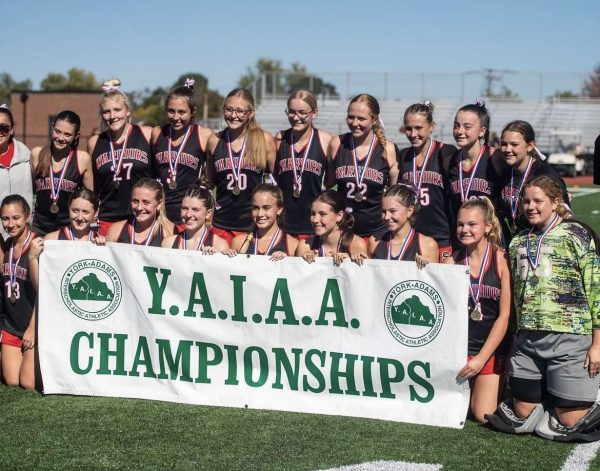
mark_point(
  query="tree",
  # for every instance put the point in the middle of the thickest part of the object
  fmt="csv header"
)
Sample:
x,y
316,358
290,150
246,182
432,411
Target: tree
x,y
205,95
565,94
75,80
299,77
270,70
591,87
9,85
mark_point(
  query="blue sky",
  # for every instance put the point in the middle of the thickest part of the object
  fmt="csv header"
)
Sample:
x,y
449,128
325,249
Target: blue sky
x,y
149,44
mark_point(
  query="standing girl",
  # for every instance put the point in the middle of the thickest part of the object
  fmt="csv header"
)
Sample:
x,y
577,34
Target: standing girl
x,y
196,207
332,223
478,232
362,163
399,206
424,165
58,169
179,148
19,296
300,164
120,156
237,159
268,238
149,224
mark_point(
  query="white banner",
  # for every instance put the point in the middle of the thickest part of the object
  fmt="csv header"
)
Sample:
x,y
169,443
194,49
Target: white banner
x,y
384,340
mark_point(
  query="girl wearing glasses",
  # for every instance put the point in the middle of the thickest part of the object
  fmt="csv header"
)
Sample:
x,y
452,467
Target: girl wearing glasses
x,y
58,170
362,163
237,159
300,164
15,173
120,156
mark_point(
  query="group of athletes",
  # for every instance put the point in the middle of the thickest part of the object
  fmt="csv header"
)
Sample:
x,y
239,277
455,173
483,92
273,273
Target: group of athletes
x,y
503,212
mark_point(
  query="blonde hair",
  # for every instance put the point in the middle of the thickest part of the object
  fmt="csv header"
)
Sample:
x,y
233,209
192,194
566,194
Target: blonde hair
x,y
112,92
553,191
371,102
485,206
164,225
256,145
306,96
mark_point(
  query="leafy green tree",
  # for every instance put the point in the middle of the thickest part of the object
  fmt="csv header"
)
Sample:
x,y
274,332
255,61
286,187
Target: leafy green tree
x,y
75,80
565,94
9,85
591,87
269,70
300,77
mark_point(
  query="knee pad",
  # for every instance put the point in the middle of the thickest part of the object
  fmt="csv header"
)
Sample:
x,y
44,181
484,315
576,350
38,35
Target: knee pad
x,y
587,429
506,420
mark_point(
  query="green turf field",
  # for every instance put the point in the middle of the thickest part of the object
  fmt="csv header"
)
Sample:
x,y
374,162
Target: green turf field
x,y
64,433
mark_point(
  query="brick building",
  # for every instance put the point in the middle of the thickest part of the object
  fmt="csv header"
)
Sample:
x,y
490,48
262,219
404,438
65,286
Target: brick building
x,y
34,117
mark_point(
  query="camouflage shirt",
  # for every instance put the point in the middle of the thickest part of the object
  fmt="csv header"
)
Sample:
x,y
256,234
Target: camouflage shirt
x,y
563,295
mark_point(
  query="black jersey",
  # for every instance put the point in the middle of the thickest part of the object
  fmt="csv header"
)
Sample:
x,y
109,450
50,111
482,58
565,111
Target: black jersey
x,y
434,218
208,241
126,235
297,210
489,301
17,315
410,254
191,160
484,182
233,212
65,234
280,245
510,196
367,212
115,202
44,220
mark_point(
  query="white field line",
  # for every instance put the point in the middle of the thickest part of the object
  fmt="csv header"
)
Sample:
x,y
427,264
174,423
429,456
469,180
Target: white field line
x,y
388,466
580,457
576,192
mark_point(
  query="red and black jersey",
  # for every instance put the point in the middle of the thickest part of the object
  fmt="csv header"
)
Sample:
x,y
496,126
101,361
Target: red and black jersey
x,y
208,241
233,212
115,202
126,235
44,221
367,213
17,315
412,250
489,300
296,218
189,166
434,218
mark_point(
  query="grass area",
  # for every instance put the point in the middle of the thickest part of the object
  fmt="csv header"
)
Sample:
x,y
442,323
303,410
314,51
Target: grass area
x,y
587,208
64,432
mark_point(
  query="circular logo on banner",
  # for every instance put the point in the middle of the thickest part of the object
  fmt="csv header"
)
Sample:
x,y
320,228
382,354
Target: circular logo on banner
x,y
91,289
414,313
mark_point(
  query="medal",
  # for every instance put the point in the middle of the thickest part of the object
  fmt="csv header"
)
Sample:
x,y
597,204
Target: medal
x,y
13,298
173,164
359,175
534,261
405,244
54,208
117,163
13,265
534,280
236,170
272,244
298,176
464,194
201,240
236,190
55,190
476,313
116,184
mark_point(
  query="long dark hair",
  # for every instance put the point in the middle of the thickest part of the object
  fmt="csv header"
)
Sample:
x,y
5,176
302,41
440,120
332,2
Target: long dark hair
x,y
42,168
337,201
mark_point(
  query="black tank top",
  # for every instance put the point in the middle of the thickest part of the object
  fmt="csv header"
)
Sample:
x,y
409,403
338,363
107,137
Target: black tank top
x,y
17,316
315,243
233,212
44,220
279,246
126,235
208,242
413,249
433,219
297,210
65,234
367,213
191,161
489,301
115,202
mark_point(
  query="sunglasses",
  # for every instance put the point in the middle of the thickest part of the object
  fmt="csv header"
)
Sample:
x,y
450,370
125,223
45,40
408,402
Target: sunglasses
x,y
5,128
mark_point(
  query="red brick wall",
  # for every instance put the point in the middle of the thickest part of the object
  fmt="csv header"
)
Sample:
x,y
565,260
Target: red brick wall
x,y
41,105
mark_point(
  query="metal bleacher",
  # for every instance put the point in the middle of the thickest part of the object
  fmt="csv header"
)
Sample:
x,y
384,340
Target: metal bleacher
x,y
545,116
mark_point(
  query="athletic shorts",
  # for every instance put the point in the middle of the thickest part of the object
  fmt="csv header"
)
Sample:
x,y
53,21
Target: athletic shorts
x,y
12,340
225,234
104,226
559,357
300,237
496,365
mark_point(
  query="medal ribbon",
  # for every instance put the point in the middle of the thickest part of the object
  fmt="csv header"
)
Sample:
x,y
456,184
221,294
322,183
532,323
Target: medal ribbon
x,y
404,247
200,242
482,270
514,200
535,261
464,195
148,237
54,192
360,176
235,171
274,241
298,178
13,266
173,165
71,235
117,165
430,149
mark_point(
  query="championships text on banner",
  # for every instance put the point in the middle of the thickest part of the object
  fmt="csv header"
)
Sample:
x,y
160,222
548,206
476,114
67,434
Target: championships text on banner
x,y
384,340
